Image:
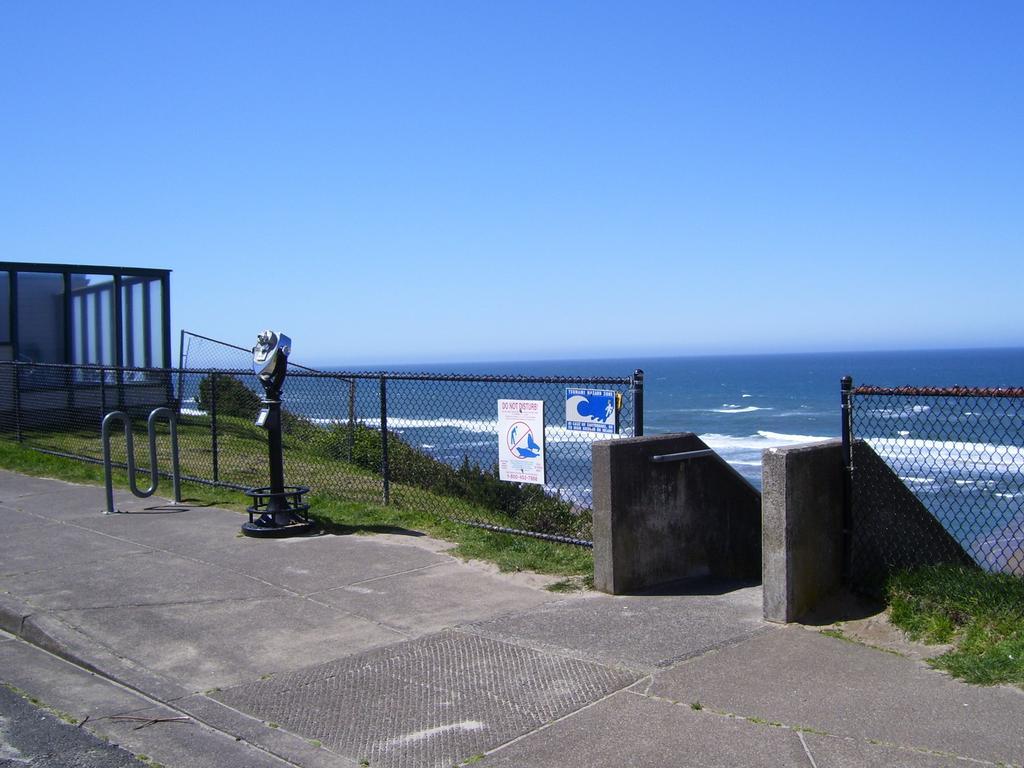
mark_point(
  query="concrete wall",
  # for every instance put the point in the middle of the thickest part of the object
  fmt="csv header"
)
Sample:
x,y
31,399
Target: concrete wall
x,y
802,533
660,522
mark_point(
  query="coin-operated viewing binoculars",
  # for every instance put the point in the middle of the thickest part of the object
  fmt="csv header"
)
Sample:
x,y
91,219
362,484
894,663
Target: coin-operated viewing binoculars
x,y
277,510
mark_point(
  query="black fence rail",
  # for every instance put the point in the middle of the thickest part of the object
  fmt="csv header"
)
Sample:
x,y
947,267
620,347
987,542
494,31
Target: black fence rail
x,y
959,452
423,441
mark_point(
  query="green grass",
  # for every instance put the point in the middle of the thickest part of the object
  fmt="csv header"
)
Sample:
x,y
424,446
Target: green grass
x,y
314,458
338,514
508,552
981,613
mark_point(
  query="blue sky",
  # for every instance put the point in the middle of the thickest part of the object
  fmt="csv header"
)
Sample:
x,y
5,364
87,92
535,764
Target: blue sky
x,y
488,181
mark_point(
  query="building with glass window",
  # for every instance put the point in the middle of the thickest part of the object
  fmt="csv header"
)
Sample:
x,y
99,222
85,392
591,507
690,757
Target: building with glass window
x,y
64,313
85,316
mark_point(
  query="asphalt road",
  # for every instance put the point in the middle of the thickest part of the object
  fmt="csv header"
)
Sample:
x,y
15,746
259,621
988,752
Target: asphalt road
x,y
31,737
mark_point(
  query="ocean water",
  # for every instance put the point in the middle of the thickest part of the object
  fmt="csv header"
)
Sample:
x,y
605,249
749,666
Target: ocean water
x,y
739,405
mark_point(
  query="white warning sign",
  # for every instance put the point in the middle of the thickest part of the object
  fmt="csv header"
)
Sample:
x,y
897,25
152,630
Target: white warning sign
x,y
521,441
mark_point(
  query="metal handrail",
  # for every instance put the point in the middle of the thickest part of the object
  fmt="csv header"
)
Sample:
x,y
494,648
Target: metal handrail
x,y
126,421
682,456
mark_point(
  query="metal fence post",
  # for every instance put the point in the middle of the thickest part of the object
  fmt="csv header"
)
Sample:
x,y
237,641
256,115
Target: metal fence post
x,y
213,425
636,391
181,368
385,469
17,401
846,400
351,419
103,392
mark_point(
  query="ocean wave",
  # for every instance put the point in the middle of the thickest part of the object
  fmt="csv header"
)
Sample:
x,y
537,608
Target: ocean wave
x,y
739,409
553,433
758,442
918,480
900,413
952,455
477,426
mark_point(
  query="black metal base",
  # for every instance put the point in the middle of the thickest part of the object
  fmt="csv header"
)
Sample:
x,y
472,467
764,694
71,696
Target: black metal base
x,y
281,514
298,528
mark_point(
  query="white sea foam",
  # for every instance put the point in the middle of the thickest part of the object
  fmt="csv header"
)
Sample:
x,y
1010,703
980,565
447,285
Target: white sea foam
x,y
918,480
949,455
738,409
553,433
900,413
759,442
477,426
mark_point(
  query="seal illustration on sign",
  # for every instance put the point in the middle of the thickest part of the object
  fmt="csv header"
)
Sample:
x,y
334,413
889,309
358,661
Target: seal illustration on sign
x,y
521,442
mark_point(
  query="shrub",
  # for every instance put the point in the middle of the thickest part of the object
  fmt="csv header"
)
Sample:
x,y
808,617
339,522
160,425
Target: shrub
x,y
234,398
527,504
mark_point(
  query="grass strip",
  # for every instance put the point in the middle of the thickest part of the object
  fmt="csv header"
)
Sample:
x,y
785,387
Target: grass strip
x,y
336,514
981,613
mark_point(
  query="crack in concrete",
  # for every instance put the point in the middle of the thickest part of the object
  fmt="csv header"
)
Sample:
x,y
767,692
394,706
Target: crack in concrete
x,y
557,720
378,578
807,750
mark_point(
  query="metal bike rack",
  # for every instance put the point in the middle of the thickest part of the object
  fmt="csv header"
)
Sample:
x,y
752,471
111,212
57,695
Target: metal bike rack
x,y
126,421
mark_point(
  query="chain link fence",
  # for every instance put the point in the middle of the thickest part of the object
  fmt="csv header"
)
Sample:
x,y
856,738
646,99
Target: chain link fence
x,y
420,441
960,453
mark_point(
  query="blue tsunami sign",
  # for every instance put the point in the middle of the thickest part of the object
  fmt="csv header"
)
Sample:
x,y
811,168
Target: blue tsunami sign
x,y
590,410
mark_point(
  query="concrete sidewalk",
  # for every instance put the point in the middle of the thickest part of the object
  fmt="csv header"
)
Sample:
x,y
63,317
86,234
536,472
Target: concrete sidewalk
x,y
385,651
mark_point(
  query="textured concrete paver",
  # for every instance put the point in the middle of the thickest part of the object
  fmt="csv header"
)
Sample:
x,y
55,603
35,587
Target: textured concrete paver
x,y
645,632
429,702
802,678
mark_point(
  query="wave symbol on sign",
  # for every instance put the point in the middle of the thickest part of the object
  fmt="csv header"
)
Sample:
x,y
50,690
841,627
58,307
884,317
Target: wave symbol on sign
x,y
593,408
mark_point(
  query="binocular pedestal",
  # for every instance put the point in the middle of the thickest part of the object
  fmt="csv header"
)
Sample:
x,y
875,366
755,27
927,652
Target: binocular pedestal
x,y
278,510
281,513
